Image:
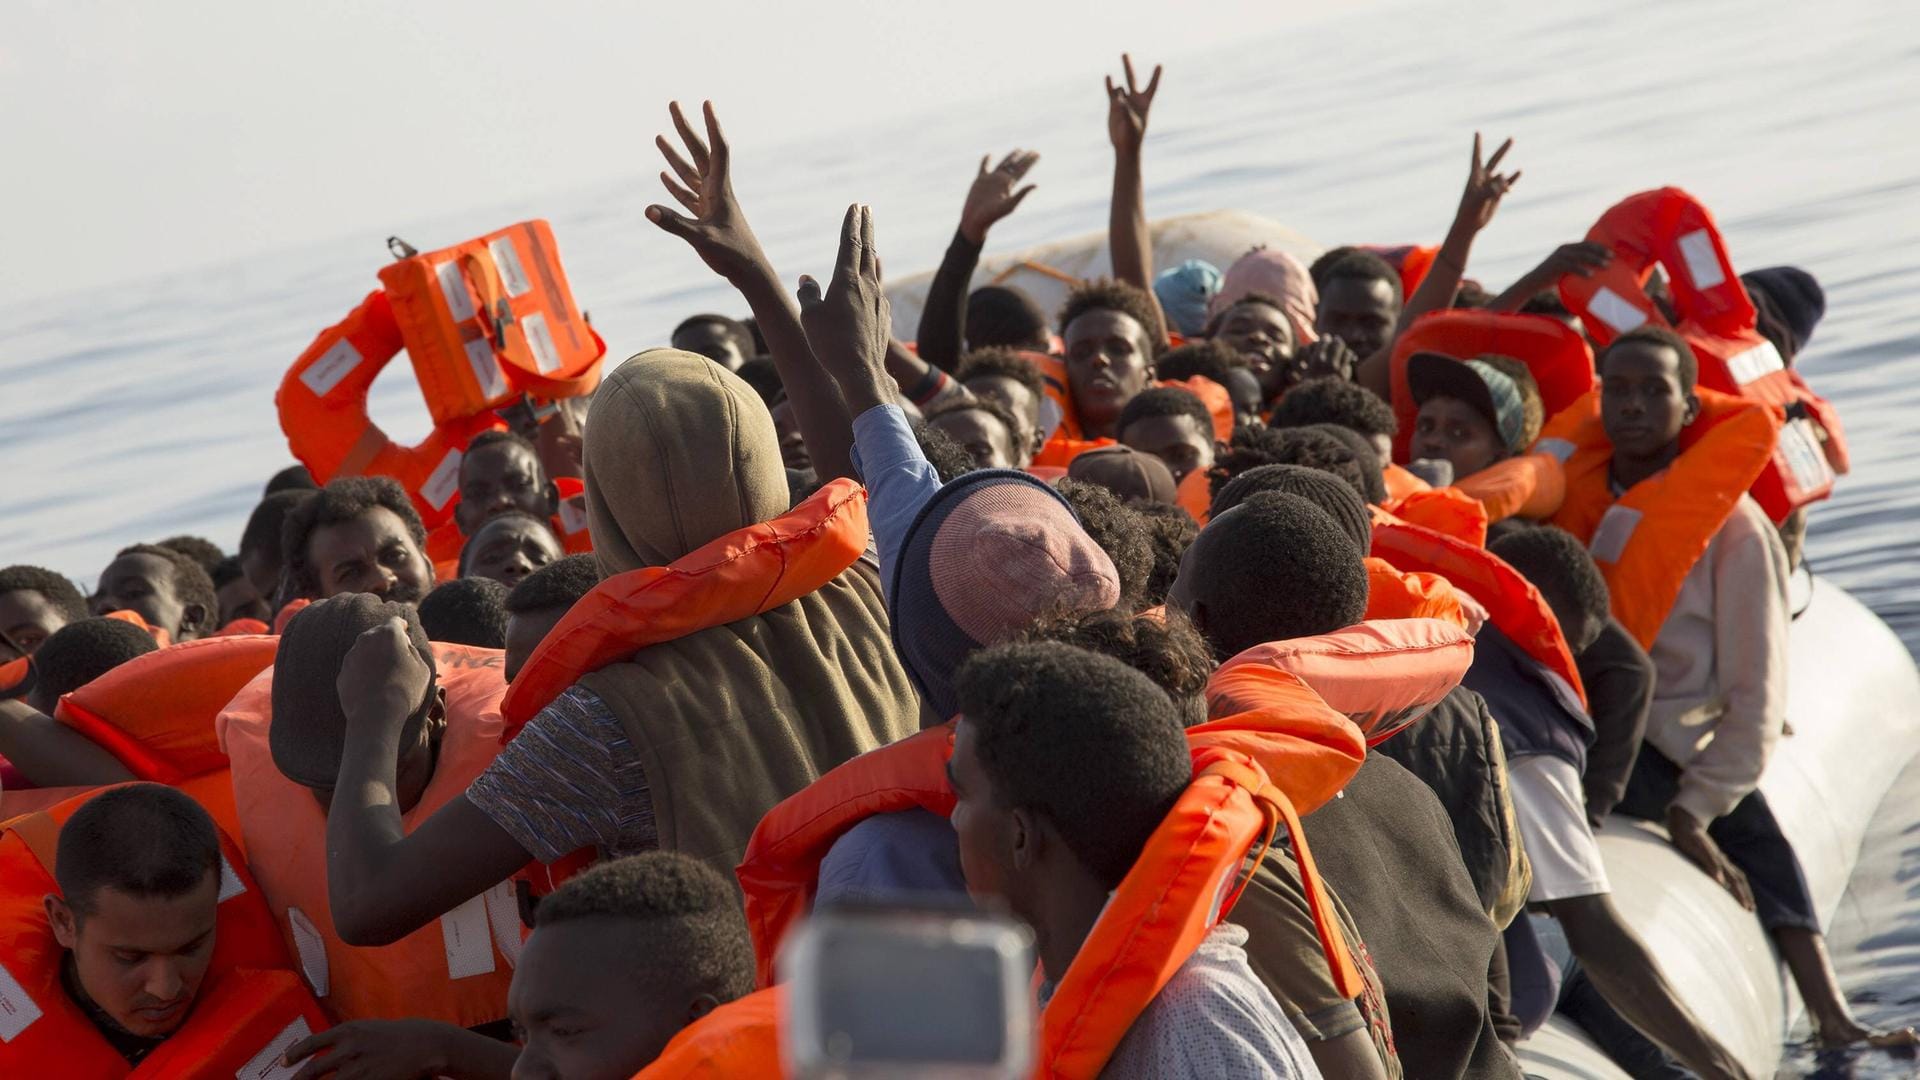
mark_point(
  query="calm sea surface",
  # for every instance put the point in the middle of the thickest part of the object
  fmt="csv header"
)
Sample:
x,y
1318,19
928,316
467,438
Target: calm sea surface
x,y
138,411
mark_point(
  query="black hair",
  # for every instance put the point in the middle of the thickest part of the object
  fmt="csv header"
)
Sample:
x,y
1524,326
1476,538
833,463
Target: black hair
x,y
1080,739
1356,265
467,611
1207,359
291,478
497,437
801,486
145,840
761,374
691,914
1119,532
460,565
741,335
54,587
1328,400
1533,413
1004,316
1471,295
1106,294
1276,567
1560,567
198,548
1253,447
1166,649
226,572
1170,529
1323,489
80,652
191,584
267,523
948,458
1018,434
559,584
1652,334
1003,362
1546,302
1373,479
1166,401
1317,270
342,500
308,733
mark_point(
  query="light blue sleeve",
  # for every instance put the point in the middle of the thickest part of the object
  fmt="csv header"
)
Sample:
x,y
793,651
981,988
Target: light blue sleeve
x,y
900,480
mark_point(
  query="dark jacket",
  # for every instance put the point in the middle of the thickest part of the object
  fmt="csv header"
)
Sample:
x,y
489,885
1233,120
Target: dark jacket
x,y
1619,679
1453,750
1535,715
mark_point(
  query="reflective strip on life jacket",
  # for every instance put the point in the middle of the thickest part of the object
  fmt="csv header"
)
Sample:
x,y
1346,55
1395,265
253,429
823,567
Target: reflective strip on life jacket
x,y
744,573
155,713
1555,355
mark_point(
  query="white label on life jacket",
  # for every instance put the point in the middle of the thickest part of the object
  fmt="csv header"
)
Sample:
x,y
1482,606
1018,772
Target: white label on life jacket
x,y
1611,535
486,369
468,940
453,286
17,1010
1703,263
312,949
540,343
1559,449
266,1065
507,258
1614,310
1755,363
1800,445
503,914
573,514
230,885
443,481
333,365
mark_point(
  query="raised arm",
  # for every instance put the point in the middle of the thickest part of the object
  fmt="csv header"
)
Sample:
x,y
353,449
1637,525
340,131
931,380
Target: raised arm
x,y
994,194
1582,257
718,232
1127,234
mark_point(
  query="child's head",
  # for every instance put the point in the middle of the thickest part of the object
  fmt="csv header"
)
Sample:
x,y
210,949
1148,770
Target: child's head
x,y
621,958
34,604
164,587
1647,376
359,534
1256,327
291,478
467,611
1171,424
724,341
1359,301
198,548
238,598
1473,413
81,652
987,430
1342,402
541,600
1117,530
1565,573
1111,338
1000,374
1005,317
262,541
499,472
508,547
1273,568
139,875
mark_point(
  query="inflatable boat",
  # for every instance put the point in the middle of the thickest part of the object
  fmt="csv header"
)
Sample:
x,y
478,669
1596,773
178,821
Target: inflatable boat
x,y
1853,701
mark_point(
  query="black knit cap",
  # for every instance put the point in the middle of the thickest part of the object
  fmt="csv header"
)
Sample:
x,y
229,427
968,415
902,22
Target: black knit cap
x,y
1322,489
308,734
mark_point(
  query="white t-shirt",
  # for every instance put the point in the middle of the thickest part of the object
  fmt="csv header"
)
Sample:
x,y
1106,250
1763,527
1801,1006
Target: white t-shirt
x,y
1551,808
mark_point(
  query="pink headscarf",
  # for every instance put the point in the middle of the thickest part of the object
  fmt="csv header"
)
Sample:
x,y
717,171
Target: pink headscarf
x,y
1277,274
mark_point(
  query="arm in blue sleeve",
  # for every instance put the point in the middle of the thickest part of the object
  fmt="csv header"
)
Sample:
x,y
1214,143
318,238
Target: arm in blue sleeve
x,y
898,476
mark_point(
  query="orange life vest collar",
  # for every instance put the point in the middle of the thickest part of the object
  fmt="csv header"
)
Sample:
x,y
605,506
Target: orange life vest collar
x,y
155,713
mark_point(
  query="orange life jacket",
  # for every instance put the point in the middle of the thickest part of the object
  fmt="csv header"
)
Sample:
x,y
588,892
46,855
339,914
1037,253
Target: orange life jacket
x,y
738,1039
744,573
1195,495
456,971
1512,602
1717,318
569,524
1647,540
242,627
1400,482
155,713
1411,261
1526,485
1393,593
1059,451
1444,509
484,323
250,1006
1555,355
1219,403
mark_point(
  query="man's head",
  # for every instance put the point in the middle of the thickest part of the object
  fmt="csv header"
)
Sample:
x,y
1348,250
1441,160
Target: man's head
x,y
1323,489
1306,446
139,875
81,652
501,472
1003,317
1119,531
1473,413
291,478
164,587
509,547
34,604
986,430
1370,468
1003,375
1342,402
1256,327
724,341
1171,530
1273,568
541,600
1162,646
198,548
309,729
469,611
1647,376
1564,572
1111,339
1064,764
1173,425
621,958
1217,361
261,542
1359,301
359,534
238,598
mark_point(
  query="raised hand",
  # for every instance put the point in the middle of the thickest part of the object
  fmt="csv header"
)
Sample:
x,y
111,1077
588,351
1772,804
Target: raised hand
x,y
1485,187
702,181
848,326
994,195
1583,257
1127,108
383,680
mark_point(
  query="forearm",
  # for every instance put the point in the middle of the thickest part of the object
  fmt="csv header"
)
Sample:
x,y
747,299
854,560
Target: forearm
x,y
1517,294
52,754
364,834
1619,680
825,424
1128,237
468,1056
1350,1057
943,318
1435,292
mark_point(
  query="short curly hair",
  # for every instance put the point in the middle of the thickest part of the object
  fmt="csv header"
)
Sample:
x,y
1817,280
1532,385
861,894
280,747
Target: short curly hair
x,y
1355,264
145,840
1166,649
949,459
1120,532
1207,359
1005,363
198,548
80,652
1080,739
1253,447
53,586
1373,478
1651,334
466,611
1273,568
1171,530
342,500
1005,316
1019,435
191,584
559,584
1106,294
685,920
1335,401
1562,569
1322,489
1165,401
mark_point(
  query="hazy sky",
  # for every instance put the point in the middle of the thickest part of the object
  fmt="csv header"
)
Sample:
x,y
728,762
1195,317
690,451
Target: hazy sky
x,y
143,138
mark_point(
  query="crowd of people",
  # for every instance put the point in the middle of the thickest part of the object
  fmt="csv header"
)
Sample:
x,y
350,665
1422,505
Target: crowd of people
x,y
1000,617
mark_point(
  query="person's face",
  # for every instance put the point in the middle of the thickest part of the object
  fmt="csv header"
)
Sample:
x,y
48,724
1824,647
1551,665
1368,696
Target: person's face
x,y
1452,429
1643,407
1179,441
1108,361
793,448
711,340
985,439
143,584
29,619
372,553
1264,336
1012,393
995,845
141,958
525,631
509,549
579,1017
1358,311
497,478
1243,386
238,600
